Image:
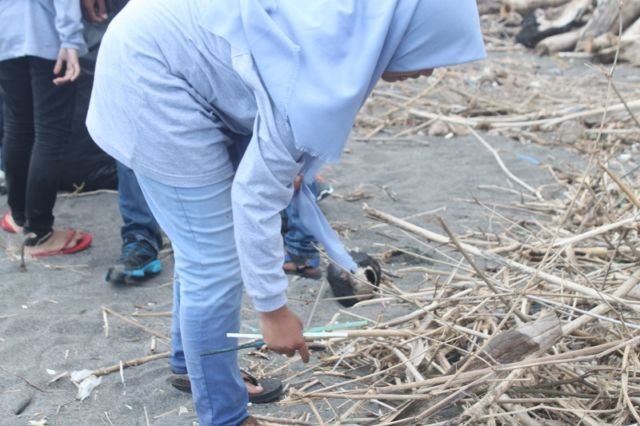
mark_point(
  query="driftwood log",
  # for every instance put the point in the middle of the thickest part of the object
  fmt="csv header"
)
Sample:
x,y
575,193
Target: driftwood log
x,y
542,23
602,21
630,44
606,46
598,28
558,43
607,18
531,339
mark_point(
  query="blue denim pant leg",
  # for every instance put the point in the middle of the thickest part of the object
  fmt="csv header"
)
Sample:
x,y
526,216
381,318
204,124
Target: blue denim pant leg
x,y
177,361
207,293
299,243
138,221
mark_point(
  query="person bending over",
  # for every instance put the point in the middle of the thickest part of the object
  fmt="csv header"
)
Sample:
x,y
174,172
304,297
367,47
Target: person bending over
x,y
178,83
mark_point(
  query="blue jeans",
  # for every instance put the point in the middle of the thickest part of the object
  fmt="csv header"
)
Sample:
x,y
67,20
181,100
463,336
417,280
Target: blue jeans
x,y
138,221
207,294
299,243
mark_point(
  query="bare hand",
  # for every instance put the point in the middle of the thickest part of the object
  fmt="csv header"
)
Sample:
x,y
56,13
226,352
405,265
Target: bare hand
x,y
282,332
68,57
297,182
94,10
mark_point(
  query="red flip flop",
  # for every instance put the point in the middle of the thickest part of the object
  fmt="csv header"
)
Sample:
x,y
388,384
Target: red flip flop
x,y
83,243
6,225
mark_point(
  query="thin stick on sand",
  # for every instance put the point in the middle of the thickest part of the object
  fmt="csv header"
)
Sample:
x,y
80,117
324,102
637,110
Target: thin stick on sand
x,y
504,167
127,364
135,324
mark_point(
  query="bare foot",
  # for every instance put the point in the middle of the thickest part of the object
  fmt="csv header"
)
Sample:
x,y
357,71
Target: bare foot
x,y
57,242
13,224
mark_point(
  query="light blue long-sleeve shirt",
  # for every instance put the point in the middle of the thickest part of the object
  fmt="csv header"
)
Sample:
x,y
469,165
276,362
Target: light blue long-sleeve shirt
x,y
40,28
165,95
162,118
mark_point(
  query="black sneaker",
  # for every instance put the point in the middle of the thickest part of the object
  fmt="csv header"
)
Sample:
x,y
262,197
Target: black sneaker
x,y
138,262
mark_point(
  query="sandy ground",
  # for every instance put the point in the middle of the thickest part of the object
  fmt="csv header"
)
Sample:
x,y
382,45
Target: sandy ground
x,y
51,315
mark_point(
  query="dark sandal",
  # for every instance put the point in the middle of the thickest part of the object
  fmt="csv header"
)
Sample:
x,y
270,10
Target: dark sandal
x,y
302,267
272,387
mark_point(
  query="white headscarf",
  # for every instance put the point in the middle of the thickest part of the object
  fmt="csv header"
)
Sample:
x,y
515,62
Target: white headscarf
x,y
320,59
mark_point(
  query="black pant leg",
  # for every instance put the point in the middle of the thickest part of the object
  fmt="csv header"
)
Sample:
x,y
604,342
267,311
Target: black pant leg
x,y
15,86
53,115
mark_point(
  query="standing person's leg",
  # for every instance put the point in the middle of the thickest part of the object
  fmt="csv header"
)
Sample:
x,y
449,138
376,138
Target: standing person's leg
x,y
141,237
199,223
15,85
302,257
52,115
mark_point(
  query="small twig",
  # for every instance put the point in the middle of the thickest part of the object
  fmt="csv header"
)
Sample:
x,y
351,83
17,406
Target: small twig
x,y
146,416
105,323
106,415
152,314
471,414
29,236
25,380
104,371
282,421
136,324
593,233
504,167
623,187
124,384
602,308
479,271
315,303
315,411
505,124
87,193
624,380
